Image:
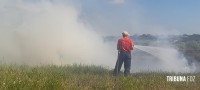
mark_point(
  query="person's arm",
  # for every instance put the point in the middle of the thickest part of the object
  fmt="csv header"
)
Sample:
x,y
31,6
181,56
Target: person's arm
x,y
118,45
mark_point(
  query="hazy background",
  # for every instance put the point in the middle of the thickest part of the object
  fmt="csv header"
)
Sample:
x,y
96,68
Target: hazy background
x,y
110,17
59,32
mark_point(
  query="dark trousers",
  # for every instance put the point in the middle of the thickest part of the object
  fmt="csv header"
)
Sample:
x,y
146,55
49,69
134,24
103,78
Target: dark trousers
x,y
123,57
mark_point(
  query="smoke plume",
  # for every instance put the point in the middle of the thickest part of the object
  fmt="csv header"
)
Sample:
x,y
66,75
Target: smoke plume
x,y
42,32
166,59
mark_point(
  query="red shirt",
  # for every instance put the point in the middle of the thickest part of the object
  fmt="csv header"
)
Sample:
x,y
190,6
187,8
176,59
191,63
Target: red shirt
x,y
125,44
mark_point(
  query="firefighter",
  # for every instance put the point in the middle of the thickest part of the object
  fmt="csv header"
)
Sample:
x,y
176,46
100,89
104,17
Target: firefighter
x,y
124,46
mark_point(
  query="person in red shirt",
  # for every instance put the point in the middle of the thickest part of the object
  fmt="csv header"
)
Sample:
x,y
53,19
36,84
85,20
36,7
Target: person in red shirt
x,y
124,47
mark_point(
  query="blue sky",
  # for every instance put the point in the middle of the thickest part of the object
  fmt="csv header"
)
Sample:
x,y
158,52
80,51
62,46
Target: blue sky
x,y
173,12
143,16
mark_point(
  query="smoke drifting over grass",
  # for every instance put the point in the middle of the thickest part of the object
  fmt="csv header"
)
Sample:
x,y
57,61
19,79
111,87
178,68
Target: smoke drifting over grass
x,y
45,33
165,59
161,55
41,32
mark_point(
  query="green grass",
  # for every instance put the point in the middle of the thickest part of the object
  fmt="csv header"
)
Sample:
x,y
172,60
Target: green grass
x,y
79,77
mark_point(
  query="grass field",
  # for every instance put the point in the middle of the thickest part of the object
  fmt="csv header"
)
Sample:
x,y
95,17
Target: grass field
x,y
79,77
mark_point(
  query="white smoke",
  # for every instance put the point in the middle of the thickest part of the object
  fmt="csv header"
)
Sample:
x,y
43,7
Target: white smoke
x,y
166,59
46,33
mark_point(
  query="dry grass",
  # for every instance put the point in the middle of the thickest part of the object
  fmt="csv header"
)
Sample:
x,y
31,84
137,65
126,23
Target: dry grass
x,y
78,77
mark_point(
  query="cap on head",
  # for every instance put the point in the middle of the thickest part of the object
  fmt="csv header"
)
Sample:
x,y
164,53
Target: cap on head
x,y
125,34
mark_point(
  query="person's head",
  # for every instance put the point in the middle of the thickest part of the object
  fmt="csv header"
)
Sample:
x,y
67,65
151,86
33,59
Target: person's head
x,y
125,34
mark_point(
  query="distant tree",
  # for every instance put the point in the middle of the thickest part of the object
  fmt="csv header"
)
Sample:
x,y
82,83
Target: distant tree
x,y
189,45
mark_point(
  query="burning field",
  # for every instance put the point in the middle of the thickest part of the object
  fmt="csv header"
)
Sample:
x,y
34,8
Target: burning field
x,y
59,45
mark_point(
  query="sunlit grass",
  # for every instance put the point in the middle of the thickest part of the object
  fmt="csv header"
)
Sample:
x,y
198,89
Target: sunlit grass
x,y
79,77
